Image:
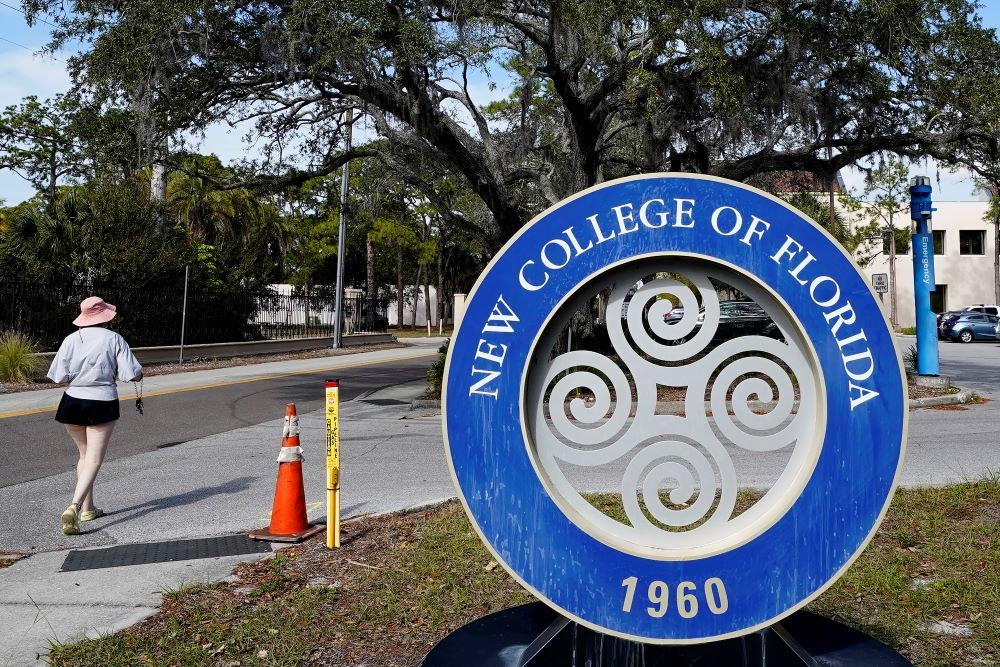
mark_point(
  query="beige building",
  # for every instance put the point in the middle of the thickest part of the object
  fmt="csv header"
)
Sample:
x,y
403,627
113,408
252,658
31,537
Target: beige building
x,y
964,252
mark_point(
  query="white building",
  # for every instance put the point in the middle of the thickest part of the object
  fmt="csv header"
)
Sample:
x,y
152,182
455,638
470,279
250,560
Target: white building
x,y
964,252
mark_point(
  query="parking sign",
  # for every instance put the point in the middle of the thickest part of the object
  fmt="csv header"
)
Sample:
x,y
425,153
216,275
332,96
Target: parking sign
x,y
880,281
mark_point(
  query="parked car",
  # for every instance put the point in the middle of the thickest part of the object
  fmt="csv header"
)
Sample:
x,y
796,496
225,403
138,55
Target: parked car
x,y
676,313
941,318
736,318
988,308
971,325
628,298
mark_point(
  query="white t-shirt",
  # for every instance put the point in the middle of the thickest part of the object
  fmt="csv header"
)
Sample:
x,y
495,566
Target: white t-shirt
x,y
89,359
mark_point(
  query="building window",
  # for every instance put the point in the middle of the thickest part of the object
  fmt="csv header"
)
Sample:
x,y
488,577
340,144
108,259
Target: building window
x,y
902,242
939,299
938,241
971,242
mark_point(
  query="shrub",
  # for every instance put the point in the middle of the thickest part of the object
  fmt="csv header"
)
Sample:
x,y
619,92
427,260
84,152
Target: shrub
x,y
435,374
17,360
909,331
910,359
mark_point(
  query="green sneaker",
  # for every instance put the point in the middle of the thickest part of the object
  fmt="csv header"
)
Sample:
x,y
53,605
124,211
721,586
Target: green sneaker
x,y
90,515
71,521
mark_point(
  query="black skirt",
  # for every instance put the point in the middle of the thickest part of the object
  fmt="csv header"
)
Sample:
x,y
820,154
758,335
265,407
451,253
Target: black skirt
x,y
85,412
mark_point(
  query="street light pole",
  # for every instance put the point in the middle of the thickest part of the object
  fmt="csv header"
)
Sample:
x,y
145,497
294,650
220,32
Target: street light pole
x,y
923,275
338,331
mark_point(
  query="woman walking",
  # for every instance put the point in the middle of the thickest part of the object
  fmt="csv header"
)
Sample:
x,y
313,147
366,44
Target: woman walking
x,y
90,359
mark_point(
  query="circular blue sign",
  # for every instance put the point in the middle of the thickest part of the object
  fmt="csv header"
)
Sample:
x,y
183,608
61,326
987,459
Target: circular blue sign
x,y
833,394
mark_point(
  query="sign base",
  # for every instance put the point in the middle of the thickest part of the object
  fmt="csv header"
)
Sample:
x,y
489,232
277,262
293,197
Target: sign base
x,y
533,635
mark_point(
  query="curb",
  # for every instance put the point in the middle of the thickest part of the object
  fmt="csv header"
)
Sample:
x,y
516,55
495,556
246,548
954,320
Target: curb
x,y
677,407
403,511
951,399
170,353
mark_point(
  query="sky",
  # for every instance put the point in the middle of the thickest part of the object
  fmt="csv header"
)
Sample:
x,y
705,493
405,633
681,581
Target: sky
x,y
23,72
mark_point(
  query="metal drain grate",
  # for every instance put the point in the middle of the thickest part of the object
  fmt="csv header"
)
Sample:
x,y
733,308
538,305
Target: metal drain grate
x,y
384,401
163,552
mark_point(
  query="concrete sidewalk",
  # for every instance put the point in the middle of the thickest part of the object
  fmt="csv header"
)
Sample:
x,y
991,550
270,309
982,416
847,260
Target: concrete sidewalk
x,y
224,484
43,400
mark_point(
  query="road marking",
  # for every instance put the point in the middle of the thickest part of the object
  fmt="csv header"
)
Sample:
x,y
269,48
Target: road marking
x,y
309,509
164,392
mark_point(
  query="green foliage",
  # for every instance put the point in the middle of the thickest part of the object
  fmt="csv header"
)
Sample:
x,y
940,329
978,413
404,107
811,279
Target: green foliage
x,y
17,360
103,232
603,88
881,207
37,142
910,356
820,212
243,237
435,374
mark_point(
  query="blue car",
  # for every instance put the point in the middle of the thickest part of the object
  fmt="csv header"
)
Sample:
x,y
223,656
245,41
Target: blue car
x,y
969,326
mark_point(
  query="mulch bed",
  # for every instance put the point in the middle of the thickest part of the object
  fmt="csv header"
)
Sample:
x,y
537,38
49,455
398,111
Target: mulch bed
x,y
398,584
8,558
926,392
402,582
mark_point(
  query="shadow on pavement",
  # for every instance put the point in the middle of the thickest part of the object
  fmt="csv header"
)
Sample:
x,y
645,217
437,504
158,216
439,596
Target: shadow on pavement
x,y
232,486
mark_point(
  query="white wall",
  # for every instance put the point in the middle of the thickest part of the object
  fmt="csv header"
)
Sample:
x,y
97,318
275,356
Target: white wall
x,y
408,310
968,278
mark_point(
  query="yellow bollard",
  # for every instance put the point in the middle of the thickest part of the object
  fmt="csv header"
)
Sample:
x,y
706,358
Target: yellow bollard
x,y
332,464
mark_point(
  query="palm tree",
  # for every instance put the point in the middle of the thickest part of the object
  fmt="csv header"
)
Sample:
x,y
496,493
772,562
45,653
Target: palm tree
x,y
46,243
207,212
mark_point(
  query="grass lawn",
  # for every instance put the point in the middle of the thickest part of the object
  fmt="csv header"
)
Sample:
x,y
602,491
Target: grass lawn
x,y
928,585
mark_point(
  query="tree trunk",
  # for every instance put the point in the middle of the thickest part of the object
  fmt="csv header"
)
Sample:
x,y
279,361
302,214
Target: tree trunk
x,y
833,211
440,283
427,299
399,286
416,295
53,173
892,278
372,295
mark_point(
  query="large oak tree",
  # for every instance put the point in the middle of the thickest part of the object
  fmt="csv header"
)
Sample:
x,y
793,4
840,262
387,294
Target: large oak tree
x,y
604,88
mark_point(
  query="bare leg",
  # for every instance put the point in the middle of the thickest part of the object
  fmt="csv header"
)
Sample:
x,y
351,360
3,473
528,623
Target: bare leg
x,y
98,437
79,435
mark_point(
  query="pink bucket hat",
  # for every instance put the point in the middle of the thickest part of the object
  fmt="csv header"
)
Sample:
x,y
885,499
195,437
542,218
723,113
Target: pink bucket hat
x,y
93,310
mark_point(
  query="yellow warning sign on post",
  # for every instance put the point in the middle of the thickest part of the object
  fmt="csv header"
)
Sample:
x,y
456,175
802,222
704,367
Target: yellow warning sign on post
x,y
332,464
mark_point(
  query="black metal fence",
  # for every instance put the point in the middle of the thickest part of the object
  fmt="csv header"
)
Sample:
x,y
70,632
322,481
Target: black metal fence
x,y
148,317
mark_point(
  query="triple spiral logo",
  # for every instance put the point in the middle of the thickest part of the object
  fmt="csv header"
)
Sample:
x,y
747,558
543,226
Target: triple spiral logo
x,y
752,390
673,408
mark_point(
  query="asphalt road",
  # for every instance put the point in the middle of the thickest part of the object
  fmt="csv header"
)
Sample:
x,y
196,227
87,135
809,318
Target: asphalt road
x,y
36,446
973,366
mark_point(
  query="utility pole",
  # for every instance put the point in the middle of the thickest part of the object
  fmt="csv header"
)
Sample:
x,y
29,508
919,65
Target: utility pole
x,y
892,273
923,275
338,323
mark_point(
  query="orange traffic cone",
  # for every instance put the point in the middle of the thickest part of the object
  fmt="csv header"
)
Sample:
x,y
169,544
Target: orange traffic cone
x,y
288,515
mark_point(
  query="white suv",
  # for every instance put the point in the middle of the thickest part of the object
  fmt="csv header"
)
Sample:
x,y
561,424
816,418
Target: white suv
x,y
988,308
